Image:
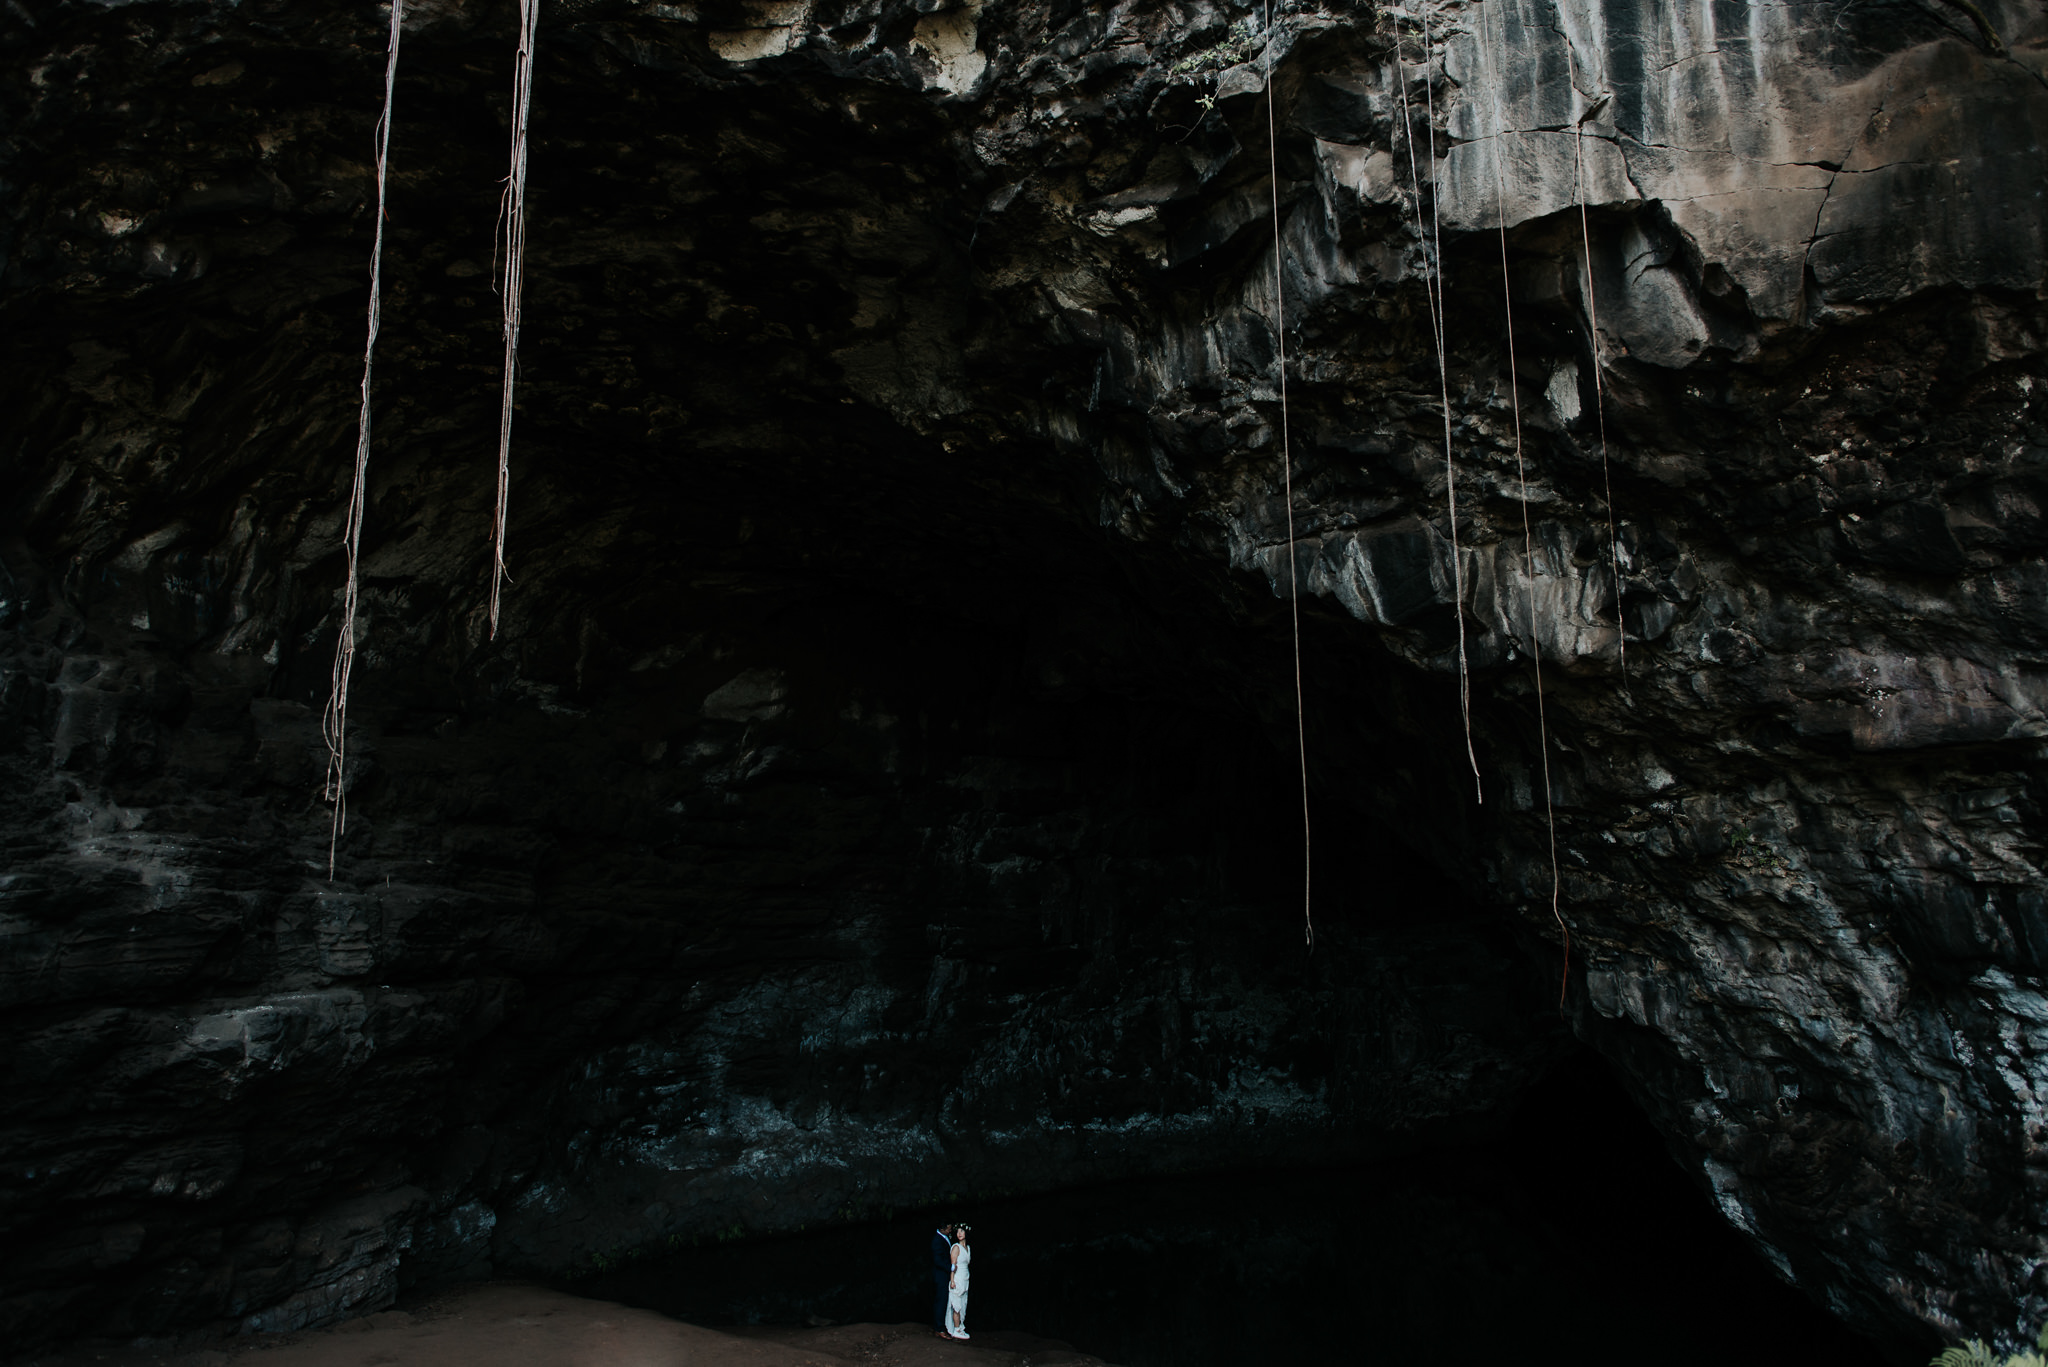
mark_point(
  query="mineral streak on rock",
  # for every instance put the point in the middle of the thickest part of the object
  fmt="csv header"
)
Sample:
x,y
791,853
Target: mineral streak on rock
x,y
879,785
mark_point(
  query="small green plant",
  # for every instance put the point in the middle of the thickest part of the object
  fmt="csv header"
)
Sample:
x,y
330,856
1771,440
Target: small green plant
x,y
1237,47
1977,1353
1972,1353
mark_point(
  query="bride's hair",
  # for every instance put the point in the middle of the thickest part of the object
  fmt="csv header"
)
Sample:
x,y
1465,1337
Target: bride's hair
x,y
961,1230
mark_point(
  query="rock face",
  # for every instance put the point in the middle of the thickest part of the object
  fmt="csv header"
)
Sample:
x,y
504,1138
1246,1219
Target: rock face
x,y
882,783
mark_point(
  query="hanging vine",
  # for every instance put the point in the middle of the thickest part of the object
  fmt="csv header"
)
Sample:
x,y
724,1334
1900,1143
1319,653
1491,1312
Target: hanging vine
x,y
1433,290
512,220
334,721
1308,925
1593,331
1507,296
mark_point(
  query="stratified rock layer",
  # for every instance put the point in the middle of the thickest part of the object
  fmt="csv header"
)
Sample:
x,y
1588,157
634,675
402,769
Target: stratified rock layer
x,y
881,784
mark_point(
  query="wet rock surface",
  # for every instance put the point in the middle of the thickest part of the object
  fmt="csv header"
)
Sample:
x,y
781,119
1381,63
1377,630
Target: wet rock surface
x,y
882,781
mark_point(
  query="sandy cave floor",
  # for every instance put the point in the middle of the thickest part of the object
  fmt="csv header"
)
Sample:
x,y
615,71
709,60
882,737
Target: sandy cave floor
x,y
504,1324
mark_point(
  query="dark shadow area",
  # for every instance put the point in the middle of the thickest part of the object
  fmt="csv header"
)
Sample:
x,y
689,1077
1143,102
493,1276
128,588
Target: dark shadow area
x,y
1571,1239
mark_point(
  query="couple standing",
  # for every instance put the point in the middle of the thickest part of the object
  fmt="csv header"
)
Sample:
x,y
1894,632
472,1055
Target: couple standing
x,y
950,1259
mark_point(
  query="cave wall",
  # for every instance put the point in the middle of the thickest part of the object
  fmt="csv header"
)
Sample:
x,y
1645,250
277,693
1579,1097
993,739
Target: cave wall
x,y
881,784
808,911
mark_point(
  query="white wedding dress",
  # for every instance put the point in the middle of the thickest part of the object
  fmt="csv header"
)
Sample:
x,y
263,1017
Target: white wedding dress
x,y
956,1299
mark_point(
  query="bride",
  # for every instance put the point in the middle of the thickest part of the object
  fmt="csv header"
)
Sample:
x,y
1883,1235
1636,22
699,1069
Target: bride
x,y
956,1298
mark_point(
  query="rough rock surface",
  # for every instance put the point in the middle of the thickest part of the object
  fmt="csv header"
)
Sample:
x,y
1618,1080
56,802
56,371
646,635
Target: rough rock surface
x,y
882,780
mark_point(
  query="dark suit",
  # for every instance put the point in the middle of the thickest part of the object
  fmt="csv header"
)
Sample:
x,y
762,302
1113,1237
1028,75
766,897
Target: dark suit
x,y
942,1273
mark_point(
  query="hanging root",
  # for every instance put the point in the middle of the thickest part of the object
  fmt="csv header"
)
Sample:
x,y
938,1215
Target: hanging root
x,y
1529,557
512,216
1433,288
1308,925
334,722
1599,384
1444,388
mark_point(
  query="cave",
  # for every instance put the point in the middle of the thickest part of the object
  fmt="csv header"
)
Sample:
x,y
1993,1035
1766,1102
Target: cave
x,y
1102,601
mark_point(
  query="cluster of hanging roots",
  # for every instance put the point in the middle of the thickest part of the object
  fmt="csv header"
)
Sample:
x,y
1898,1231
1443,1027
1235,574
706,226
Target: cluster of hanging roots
x,y
510,248
1429,237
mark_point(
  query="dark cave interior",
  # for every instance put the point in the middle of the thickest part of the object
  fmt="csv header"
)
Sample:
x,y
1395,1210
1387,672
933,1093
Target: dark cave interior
x,y
883,786
1568,1236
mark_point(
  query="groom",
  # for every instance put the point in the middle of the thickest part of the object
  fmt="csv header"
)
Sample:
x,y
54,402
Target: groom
x,y
942,1275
